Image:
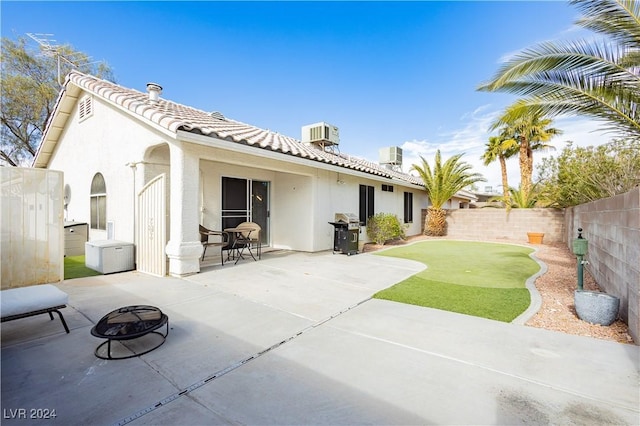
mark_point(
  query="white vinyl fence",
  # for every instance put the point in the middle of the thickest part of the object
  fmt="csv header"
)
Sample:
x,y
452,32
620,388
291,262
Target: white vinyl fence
x,y
32,226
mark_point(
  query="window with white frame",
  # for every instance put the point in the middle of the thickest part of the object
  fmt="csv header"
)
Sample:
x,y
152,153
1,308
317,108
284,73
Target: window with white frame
x,y
98,202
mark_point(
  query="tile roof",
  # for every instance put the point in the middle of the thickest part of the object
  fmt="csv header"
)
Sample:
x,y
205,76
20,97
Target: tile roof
x,y
173,117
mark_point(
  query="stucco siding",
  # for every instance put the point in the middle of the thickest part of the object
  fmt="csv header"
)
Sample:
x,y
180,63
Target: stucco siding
x,y
340,194
303,199
105,142
292,213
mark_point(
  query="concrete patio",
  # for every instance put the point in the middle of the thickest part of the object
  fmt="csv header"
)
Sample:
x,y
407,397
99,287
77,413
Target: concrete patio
x,y
296,339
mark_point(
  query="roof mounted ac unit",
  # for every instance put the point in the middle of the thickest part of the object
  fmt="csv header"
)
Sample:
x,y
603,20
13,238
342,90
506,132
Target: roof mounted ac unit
x,y
391,155
320,134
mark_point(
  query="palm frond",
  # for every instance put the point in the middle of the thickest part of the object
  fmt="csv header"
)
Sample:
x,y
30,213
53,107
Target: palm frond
x,y
444,180
578,56
617,19
597,79
617,108
522,199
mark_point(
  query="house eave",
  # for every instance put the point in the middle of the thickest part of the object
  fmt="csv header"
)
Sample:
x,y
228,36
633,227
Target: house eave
x,y
62,111
213,142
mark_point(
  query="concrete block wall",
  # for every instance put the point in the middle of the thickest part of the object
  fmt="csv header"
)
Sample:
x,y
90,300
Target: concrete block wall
x,y
612,226
492,223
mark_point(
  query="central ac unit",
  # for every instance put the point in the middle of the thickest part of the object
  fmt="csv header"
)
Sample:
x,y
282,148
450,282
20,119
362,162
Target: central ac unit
x,y
321,133
391,155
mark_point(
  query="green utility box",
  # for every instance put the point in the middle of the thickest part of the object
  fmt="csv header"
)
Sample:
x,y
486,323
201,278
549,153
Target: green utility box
x,y
580,246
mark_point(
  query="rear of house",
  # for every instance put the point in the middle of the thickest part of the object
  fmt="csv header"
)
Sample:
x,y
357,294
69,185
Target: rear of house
x,y
148,171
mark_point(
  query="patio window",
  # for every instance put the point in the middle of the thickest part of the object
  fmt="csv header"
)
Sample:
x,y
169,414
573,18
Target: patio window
x,y
98,202
366,203
408,207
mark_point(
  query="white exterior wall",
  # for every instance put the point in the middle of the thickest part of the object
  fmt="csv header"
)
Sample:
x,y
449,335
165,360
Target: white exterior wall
x,y
105,142
341,194
292,213
303,199
289,195
454,203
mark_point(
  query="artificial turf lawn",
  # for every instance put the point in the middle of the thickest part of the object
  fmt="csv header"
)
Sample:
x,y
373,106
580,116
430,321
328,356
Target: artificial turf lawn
x,y
474,278
74,268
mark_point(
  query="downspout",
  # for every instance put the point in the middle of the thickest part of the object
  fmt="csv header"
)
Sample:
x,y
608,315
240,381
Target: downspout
x,y
134,167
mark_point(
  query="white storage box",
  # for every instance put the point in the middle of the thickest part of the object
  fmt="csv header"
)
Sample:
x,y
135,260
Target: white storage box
x,y
108,256
75,237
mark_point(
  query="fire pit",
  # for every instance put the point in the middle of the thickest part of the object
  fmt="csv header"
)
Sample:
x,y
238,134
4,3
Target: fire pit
x,y
129,322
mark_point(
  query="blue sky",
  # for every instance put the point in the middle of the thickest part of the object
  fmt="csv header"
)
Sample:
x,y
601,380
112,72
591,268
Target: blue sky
x,y
386,73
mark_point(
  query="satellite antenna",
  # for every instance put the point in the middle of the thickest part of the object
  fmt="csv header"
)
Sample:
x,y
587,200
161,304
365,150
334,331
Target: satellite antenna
x,y
53,50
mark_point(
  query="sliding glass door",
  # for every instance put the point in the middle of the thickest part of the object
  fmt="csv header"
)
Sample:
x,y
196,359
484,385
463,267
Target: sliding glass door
x,y
246,200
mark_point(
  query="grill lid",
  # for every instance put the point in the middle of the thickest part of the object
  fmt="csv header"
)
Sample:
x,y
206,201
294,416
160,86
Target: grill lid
x,y
347,218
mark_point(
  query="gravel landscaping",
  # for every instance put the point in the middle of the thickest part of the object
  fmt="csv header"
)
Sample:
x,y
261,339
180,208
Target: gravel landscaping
x,y
556,287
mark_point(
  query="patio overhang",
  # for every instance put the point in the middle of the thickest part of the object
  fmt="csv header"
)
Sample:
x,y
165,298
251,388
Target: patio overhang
x,y
214,142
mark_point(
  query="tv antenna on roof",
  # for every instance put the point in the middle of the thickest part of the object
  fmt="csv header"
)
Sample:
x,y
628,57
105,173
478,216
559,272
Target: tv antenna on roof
x,y
54,51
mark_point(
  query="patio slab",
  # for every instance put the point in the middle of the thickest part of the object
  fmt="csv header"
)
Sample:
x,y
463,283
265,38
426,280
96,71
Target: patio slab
x,y
330,376
311,285
60,373
295,338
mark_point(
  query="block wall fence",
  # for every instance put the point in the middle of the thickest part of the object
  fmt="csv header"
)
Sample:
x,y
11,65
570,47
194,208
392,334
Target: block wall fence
x,y
612,226
493,223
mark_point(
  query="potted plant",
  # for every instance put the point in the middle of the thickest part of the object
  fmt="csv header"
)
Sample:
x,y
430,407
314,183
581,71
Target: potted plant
x,y
535,237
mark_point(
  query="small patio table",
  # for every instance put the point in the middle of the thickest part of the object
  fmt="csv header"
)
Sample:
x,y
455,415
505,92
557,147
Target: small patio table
x,y
129,322
241,241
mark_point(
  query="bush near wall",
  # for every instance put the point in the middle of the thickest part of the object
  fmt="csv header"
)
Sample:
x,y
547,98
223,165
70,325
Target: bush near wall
x,y
383,227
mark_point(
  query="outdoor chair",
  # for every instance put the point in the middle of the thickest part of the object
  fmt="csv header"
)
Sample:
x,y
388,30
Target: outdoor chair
x,y
254,236
220,239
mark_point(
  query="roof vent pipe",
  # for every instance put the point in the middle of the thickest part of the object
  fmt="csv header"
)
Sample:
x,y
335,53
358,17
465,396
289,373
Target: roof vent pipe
x,y
154,91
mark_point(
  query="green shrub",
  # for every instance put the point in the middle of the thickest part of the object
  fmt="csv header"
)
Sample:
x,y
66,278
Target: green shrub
x,y
383,227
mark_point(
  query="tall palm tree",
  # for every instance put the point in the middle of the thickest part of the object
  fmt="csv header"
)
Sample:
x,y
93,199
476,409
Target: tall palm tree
x,y
599,79
531,130
442,182
500,148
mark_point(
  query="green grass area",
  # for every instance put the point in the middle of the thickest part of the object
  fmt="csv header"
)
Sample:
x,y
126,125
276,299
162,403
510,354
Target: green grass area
x,y
474,278
74,268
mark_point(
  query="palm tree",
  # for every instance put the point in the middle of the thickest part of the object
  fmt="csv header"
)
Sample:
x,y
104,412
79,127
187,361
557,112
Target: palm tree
x,y
441,183
500,148
531,130
598,79
523,200
518,198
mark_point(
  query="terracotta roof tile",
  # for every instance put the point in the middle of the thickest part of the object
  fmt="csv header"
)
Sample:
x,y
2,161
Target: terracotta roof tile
x,y
173,117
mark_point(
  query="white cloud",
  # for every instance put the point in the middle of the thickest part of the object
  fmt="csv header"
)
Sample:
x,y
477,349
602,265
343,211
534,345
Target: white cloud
x,y
471,138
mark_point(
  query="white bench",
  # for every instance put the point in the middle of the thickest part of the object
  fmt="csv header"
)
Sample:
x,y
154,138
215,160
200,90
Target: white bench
x,y
33,300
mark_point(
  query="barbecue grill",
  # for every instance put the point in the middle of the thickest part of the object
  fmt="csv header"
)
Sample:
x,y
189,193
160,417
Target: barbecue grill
x,y
346,232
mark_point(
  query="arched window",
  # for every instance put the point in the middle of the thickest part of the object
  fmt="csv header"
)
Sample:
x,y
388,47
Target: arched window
x,y
98,202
